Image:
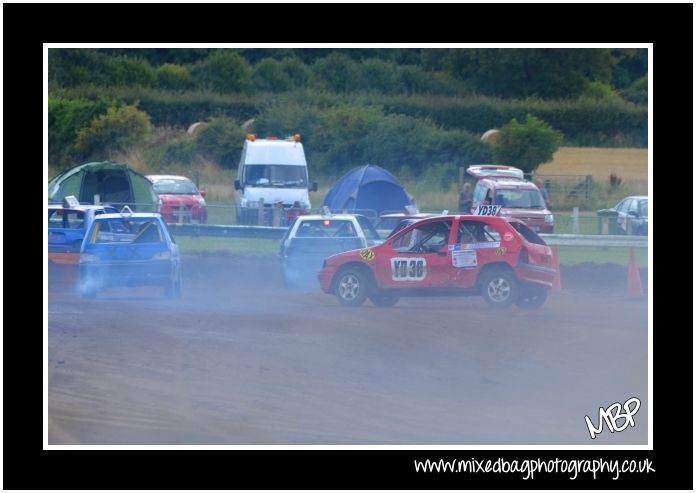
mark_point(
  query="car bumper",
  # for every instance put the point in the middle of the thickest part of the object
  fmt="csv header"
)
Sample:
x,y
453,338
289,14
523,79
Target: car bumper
x,y
535,274
128,273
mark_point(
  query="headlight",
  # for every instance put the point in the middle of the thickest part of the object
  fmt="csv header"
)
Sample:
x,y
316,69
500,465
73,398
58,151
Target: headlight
x,y
201,202
167,255
548,218
88,257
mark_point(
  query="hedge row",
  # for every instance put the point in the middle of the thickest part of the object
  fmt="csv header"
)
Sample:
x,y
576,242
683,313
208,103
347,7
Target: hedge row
x,y
581,120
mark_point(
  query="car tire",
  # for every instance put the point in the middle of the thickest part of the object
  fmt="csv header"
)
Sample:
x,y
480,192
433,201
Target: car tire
x,y
499,288
532,298
384,299
352,287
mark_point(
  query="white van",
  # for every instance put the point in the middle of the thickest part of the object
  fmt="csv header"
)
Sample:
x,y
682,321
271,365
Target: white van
x,y
274,171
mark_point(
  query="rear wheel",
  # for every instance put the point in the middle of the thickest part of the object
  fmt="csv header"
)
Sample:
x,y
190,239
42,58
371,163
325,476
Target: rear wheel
x,y
532,298
384,299
351,287
499,288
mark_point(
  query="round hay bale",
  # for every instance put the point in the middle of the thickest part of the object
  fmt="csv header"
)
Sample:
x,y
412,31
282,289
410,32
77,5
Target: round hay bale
x,y
491,136
247,124
193,127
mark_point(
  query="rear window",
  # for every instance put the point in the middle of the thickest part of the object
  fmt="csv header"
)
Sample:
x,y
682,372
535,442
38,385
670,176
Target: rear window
x,y
527,233
326,228
65,219
140,230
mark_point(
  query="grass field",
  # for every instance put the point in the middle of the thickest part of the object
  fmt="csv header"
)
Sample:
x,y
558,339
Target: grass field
x,y
629,164
229,246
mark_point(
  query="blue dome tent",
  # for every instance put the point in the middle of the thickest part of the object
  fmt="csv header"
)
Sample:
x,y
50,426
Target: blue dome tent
x,y
367,188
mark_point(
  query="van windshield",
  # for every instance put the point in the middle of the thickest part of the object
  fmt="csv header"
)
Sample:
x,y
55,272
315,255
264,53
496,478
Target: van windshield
x,y
275,175
519,199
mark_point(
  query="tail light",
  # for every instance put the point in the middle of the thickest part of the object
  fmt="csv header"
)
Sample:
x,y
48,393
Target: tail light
x,y
524,256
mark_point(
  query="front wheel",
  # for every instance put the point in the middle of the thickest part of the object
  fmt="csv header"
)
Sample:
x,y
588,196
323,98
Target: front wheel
x,y
499,288
351,287
384,299
532,298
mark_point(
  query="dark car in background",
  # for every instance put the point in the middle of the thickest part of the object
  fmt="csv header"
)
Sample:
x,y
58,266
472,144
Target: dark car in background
x,y
129,249
67,224
181,201
632,215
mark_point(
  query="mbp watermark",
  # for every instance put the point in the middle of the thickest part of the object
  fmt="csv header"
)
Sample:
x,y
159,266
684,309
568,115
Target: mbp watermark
x,y
612,415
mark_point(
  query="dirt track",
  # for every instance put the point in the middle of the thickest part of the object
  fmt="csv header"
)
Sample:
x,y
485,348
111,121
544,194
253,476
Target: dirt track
x,y
237,362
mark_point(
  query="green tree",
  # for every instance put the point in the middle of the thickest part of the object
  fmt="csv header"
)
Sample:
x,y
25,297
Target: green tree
x,y
223,71
526,145
116,131
173,76
270,76
526,72
221,140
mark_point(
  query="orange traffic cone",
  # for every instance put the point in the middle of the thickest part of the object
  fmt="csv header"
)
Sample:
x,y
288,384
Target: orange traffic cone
x,y
635,287
556,286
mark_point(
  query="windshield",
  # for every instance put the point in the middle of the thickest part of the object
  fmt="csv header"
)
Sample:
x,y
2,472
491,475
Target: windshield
x,y
173,187
519,199
275,175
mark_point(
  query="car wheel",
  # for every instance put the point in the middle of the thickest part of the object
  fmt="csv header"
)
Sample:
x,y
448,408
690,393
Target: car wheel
x,y
384,299
499,288
351,287
532,298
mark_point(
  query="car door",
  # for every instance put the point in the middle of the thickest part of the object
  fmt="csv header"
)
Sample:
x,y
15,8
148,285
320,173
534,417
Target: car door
x,y
477,244
418,256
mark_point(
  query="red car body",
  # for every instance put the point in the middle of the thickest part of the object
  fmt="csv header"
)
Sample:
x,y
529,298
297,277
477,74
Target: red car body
x,y
501,259
181,202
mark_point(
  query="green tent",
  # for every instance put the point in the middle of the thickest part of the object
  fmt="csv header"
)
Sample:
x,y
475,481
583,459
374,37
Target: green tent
x,y
109,183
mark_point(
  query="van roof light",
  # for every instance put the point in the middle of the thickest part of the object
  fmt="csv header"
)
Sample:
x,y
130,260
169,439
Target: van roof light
x,y
251,137
296,137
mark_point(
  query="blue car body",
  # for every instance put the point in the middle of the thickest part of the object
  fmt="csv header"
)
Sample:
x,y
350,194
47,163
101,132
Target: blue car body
x,y
129,250
67,227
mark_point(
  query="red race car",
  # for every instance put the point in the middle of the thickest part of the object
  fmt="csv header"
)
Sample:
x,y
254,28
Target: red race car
x,y
501,259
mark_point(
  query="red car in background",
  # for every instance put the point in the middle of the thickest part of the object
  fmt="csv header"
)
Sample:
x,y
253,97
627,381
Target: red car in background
x,y
181,201
501,259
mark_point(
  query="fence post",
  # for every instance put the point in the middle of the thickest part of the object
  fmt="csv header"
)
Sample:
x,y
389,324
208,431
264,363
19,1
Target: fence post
x,y
277,209
575,226
605,225
588,187
260,218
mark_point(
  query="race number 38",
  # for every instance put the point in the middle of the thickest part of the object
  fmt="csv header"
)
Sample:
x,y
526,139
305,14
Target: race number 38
x,y
408,269
487,210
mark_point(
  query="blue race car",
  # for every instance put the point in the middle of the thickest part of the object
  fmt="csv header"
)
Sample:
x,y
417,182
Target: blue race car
x,y
129,249
67,224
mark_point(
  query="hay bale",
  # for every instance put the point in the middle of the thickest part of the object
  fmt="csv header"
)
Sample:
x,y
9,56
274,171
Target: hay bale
x,y
193,127
491,136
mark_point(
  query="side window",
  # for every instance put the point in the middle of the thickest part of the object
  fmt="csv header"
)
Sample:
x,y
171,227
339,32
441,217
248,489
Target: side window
x,y
476,232
480,193
430,237
633,206
623,206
